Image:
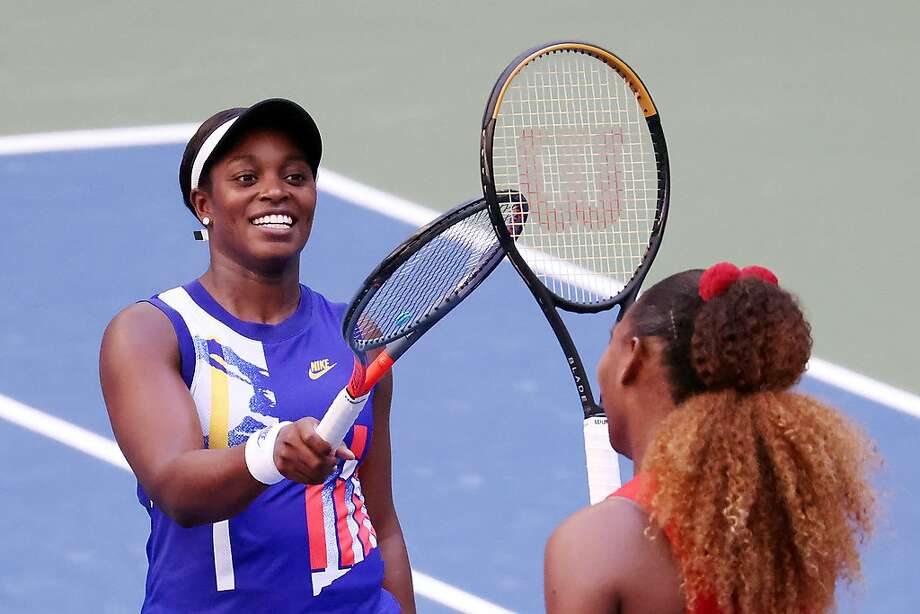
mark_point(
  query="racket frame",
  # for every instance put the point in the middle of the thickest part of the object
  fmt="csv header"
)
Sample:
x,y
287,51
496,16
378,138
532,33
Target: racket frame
x,y
547,300
379,276
346,407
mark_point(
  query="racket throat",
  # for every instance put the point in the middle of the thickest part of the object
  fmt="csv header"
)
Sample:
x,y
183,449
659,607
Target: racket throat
x,y
355,386
362,380
581,383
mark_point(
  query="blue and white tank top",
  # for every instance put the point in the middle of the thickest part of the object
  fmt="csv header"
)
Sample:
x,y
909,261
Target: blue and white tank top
x,y
295,548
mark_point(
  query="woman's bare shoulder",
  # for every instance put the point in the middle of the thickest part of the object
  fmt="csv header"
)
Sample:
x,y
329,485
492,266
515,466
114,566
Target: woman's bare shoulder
x,y
139,330
610,556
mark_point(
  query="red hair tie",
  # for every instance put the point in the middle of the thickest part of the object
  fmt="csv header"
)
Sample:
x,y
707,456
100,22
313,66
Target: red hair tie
x,y
716,279
762,272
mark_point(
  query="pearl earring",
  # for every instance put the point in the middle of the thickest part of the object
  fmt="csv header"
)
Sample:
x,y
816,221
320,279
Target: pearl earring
x,y
206,221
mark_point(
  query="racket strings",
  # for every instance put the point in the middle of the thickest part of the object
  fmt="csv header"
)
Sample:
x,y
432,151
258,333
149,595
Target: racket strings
x,y
432,278
571,136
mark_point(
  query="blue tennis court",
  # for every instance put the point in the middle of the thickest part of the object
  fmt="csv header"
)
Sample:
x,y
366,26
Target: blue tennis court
x,y
488,454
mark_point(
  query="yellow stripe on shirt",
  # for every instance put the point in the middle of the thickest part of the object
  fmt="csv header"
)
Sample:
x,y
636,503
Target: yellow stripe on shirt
x,y
220,404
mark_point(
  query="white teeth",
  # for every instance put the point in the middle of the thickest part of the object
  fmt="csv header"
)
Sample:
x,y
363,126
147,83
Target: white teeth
x,y
274,221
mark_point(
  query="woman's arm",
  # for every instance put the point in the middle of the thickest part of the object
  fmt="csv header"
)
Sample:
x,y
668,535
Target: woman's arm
x,y
601,560
376,481
156,425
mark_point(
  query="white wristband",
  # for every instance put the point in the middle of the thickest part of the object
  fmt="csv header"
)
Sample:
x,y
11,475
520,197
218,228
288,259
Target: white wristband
x,y
260,454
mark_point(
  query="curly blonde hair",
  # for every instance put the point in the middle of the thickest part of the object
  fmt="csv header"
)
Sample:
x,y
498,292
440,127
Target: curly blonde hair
x,y
764,492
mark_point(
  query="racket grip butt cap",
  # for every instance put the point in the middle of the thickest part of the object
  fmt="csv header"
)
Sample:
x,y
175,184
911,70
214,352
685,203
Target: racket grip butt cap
x,y
340,416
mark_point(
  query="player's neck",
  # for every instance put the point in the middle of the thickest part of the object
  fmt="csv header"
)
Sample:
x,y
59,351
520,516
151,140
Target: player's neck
x,y
253,296
655,408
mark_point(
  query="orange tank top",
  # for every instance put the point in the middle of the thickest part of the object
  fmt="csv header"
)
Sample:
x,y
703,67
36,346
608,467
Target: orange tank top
x,y
630,490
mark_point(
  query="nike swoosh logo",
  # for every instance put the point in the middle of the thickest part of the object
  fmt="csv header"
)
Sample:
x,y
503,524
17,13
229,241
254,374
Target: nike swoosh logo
x,y
315,375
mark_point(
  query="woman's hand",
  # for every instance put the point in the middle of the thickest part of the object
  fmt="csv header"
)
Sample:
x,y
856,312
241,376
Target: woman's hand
x,y
303,456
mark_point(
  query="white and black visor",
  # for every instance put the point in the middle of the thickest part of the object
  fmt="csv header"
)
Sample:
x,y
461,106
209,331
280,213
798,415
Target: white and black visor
x,y
224,129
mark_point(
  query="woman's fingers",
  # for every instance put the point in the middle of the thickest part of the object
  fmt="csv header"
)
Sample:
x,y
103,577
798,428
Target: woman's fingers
x,y
303,456
319,445
344,453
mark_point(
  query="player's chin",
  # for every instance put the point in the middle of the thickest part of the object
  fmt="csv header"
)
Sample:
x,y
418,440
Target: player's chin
x,y
278,247
615,435
279,239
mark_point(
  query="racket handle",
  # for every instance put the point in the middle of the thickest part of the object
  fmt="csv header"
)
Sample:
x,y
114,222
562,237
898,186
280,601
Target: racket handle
x,y
350,401
603,462
340,416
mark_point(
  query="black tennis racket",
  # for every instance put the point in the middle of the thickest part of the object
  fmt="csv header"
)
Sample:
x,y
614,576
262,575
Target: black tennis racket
x,y
572,131
415,286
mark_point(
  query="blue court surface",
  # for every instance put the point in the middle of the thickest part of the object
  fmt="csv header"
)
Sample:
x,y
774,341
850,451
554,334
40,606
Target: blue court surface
x,y
488,453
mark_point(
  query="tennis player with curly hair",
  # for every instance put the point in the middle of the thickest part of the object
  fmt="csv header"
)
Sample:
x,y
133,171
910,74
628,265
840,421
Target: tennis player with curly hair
x,y
748,496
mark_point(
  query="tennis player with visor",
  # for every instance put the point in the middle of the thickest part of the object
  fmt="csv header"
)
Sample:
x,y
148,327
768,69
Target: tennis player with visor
x,y
214,388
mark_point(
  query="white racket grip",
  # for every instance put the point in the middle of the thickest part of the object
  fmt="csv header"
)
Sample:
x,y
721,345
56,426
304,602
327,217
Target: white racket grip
x,y
339,417
603,462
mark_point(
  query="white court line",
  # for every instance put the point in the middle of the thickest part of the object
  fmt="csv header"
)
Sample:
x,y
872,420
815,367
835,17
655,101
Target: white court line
x,y
62,431
96,139
400,209
108,451
864,386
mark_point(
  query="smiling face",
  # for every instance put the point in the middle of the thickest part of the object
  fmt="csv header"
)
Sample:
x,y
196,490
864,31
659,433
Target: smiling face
x,y
261,197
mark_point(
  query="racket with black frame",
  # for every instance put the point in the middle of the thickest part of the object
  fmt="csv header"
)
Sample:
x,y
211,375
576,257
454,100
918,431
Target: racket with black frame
x,y
572,134
420,282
